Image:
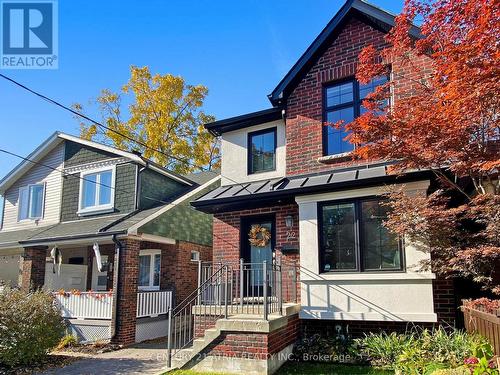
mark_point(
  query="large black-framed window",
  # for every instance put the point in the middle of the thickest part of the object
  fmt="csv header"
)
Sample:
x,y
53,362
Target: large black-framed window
x,y
343,102
352,237
262,150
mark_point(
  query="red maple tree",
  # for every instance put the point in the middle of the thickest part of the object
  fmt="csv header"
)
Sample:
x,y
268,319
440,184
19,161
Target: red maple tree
x,y
440,111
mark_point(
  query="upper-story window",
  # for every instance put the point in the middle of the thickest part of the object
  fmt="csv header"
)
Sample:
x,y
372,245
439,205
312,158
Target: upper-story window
x,y
262,151
31,199
343,102
353,237
97,191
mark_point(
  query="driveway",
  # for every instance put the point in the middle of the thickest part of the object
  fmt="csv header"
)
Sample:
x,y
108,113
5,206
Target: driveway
x,y
147,358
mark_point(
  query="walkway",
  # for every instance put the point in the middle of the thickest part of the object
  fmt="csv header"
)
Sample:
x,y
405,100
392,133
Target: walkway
x,y
147,358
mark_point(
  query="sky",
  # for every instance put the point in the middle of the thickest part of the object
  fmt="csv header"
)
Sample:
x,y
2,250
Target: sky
x,y
239,49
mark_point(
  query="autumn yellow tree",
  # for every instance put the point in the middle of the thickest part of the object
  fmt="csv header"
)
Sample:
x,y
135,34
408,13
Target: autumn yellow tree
x,y
163,113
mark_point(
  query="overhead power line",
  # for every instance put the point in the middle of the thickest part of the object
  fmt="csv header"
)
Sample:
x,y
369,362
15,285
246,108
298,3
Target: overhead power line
x,y
76,113
65,174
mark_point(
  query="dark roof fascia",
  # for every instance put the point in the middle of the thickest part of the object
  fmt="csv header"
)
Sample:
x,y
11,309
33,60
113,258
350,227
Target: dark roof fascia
x,y
216,128
351,7
77,237
232,203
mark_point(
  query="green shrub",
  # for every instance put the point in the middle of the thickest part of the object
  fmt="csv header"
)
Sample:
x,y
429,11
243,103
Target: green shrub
x,y
30,326
66,342
326,348
420,352
383,349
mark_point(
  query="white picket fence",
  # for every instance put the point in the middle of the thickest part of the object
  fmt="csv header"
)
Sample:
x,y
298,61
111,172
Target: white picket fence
x,y
153,303
99,305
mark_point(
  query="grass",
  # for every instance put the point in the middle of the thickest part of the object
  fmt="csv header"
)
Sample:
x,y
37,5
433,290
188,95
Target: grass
x,y
292,368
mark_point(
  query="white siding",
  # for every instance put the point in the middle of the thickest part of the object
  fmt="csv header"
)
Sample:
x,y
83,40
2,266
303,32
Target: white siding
x,y
53,191
234,168
392,296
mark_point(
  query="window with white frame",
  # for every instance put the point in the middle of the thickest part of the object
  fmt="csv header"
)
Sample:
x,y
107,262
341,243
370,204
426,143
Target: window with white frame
x,y
149,269
31,200
97,190
195,255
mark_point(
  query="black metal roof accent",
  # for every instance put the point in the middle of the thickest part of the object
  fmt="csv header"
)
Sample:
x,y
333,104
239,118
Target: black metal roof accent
x,y
381,18
231,197
243,121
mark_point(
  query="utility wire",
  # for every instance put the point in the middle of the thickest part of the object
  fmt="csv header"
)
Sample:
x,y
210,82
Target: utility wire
x,y
65,174
55,102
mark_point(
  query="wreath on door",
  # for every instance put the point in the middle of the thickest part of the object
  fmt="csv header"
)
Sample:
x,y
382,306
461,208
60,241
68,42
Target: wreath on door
x,y
259,236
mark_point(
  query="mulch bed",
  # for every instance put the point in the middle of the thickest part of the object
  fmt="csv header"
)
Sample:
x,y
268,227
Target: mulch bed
x,y
94,348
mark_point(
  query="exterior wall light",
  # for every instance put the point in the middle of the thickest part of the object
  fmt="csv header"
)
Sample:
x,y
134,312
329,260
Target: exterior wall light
x,y
289,221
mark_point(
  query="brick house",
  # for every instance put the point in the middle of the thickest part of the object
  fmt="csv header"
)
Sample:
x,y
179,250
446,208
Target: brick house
x,y
292,197
110,231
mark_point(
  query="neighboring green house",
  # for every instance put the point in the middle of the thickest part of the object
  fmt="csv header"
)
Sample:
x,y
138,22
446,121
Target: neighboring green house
x,y
75,201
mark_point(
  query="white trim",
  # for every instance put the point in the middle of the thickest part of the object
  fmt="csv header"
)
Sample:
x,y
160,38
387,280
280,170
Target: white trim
x,y
68,241
95,165
109,207
362,192
154,238
133,229
312,313
56,138
348,276
126,154
341,155
27,188
22,167
151,253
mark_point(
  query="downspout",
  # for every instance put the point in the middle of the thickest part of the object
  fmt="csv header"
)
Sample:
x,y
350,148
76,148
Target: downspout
x,y
116,290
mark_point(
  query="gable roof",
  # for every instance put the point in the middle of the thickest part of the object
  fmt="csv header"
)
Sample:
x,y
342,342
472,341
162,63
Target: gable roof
x,y
377,16
108,225
57,137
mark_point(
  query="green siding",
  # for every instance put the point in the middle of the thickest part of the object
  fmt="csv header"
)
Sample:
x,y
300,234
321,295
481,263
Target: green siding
x,y
124,195
78,154
156,187
183,222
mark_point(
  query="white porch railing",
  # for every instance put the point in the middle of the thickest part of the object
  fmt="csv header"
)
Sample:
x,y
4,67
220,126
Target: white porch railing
x,y
153,303
86,305
99,305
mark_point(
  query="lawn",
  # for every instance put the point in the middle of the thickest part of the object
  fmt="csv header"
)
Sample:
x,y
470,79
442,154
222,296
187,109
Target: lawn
x,y
292,368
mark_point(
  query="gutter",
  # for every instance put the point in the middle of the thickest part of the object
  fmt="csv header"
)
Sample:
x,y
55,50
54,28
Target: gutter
x,y
116,275
66,239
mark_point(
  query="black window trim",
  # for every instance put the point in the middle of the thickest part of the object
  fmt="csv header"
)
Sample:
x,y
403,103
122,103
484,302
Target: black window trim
x,y
273,129
356,103
358,238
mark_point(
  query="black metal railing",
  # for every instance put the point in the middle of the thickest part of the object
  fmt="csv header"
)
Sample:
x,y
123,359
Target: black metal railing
x,y
226,289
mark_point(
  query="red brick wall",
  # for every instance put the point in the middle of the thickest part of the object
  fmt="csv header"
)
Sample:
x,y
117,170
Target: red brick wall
x,y
255,345
127,294
226,241
304,107
32,274
444,300
178,272
304,114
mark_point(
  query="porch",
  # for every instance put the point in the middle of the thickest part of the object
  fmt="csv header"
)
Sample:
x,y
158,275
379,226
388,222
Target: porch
x,y
117,289
89,314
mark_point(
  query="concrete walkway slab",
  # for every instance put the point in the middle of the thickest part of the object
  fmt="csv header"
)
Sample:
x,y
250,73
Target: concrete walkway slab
x,y
147,358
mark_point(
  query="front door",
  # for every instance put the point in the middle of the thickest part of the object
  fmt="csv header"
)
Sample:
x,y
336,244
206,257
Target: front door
x,y
256,248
